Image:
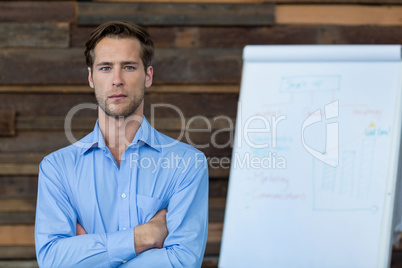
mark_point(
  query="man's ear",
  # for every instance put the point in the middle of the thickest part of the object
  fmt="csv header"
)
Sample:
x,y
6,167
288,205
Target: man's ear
x,y
149,76
91,82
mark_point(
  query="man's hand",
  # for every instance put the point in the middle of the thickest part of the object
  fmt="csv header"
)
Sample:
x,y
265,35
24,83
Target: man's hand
x,y
80,230
151,234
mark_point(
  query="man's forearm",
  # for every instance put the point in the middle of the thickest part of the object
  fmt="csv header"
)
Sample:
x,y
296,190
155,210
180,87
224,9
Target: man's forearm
x,y
151,234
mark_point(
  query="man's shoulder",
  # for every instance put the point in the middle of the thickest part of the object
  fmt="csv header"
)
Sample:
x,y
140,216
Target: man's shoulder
x,y
72,151
169,144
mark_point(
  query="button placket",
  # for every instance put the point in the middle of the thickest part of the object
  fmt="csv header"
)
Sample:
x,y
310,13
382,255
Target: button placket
x,y
124,192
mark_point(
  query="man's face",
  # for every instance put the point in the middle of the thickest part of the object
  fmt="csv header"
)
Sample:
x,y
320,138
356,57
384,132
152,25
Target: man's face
x,y
118,76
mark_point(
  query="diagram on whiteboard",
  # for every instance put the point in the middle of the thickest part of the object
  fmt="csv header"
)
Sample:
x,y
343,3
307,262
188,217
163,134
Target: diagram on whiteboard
x,y
342,160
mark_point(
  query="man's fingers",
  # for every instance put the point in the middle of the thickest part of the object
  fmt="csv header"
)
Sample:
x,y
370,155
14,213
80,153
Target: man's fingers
x,y
160,214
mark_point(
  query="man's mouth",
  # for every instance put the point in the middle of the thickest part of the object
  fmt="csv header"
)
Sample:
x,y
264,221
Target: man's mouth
x,y
117,96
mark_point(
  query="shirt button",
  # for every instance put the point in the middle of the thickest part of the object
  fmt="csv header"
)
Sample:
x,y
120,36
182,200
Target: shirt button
x,y
124,261
124,228
123,195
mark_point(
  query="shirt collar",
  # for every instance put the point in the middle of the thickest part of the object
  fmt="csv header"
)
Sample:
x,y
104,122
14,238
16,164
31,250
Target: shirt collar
x,y
145,134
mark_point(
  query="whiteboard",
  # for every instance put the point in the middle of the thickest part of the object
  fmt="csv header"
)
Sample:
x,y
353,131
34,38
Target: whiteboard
x,y
315,157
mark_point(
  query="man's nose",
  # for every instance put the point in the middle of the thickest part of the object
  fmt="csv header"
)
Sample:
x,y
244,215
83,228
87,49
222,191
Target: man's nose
x,y
117,78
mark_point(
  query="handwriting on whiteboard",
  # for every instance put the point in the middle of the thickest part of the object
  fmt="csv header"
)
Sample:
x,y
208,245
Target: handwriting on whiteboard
x,y
310,83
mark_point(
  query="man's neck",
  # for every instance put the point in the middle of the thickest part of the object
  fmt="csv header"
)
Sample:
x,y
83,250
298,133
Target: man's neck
x,y
119,132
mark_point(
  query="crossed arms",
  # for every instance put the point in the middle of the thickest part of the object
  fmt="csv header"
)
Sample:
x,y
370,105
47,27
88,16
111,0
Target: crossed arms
x,y
175,238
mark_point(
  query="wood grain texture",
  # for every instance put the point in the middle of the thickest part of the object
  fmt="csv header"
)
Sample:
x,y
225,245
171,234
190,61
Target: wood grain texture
x,y
23,211
218,169
17,235
194,124
28,253
23,235
163,37
49,141
238,37
37,11
186,1
19,264
168,14
339,15
17,192
34,34
298,34
17,253
60,104
7,123
171,66
378,2
19,169
179,88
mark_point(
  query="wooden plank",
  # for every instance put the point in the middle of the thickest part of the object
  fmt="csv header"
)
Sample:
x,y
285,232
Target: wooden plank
x,y
218,187
46,142
210,89
60,104
7,123
18,192
163,37
17,235
298,34
176,13
34,34
19,169
19,264
17,252
37,11
7,218
186,1
369,34
210,262
172,66
216,212
18,205
23,235
28,253
31,169
217,66
241,36
193,124
213,248
238,37
25,157
339,14
19,211
43,66
379,2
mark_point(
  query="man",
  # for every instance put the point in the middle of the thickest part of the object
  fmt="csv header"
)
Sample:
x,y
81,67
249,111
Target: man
x,y
100,201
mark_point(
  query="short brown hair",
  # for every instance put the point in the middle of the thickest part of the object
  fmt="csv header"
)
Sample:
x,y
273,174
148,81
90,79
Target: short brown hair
x,y
120,29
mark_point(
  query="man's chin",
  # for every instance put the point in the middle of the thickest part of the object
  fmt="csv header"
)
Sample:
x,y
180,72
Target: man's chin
x,y
119,114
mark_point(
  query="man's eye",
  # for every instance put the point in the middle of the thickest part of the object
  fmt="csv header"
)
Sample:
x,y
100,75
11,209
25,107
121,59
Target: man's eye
x,y
130,68
105,69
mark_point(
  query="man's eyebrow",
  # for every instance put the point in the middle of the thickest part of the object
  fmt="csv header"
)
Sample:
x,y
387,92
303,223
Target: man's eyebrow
x,y
122,63
129,62
104,63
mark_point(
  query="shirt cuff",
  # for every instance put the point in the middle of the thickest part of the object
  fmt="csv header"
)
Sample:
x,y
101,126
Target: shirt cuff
x,y
120,246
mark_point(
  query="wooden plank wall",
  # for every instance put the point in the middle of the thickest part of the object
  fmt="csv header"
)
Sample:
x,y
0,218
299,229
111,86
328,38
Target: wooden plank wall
x,y
197,68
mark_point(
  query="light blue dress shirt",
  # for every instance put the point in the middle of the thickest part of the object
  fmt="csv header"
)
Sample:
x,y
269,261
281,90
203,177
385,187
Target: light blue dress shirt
x,y
83,183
